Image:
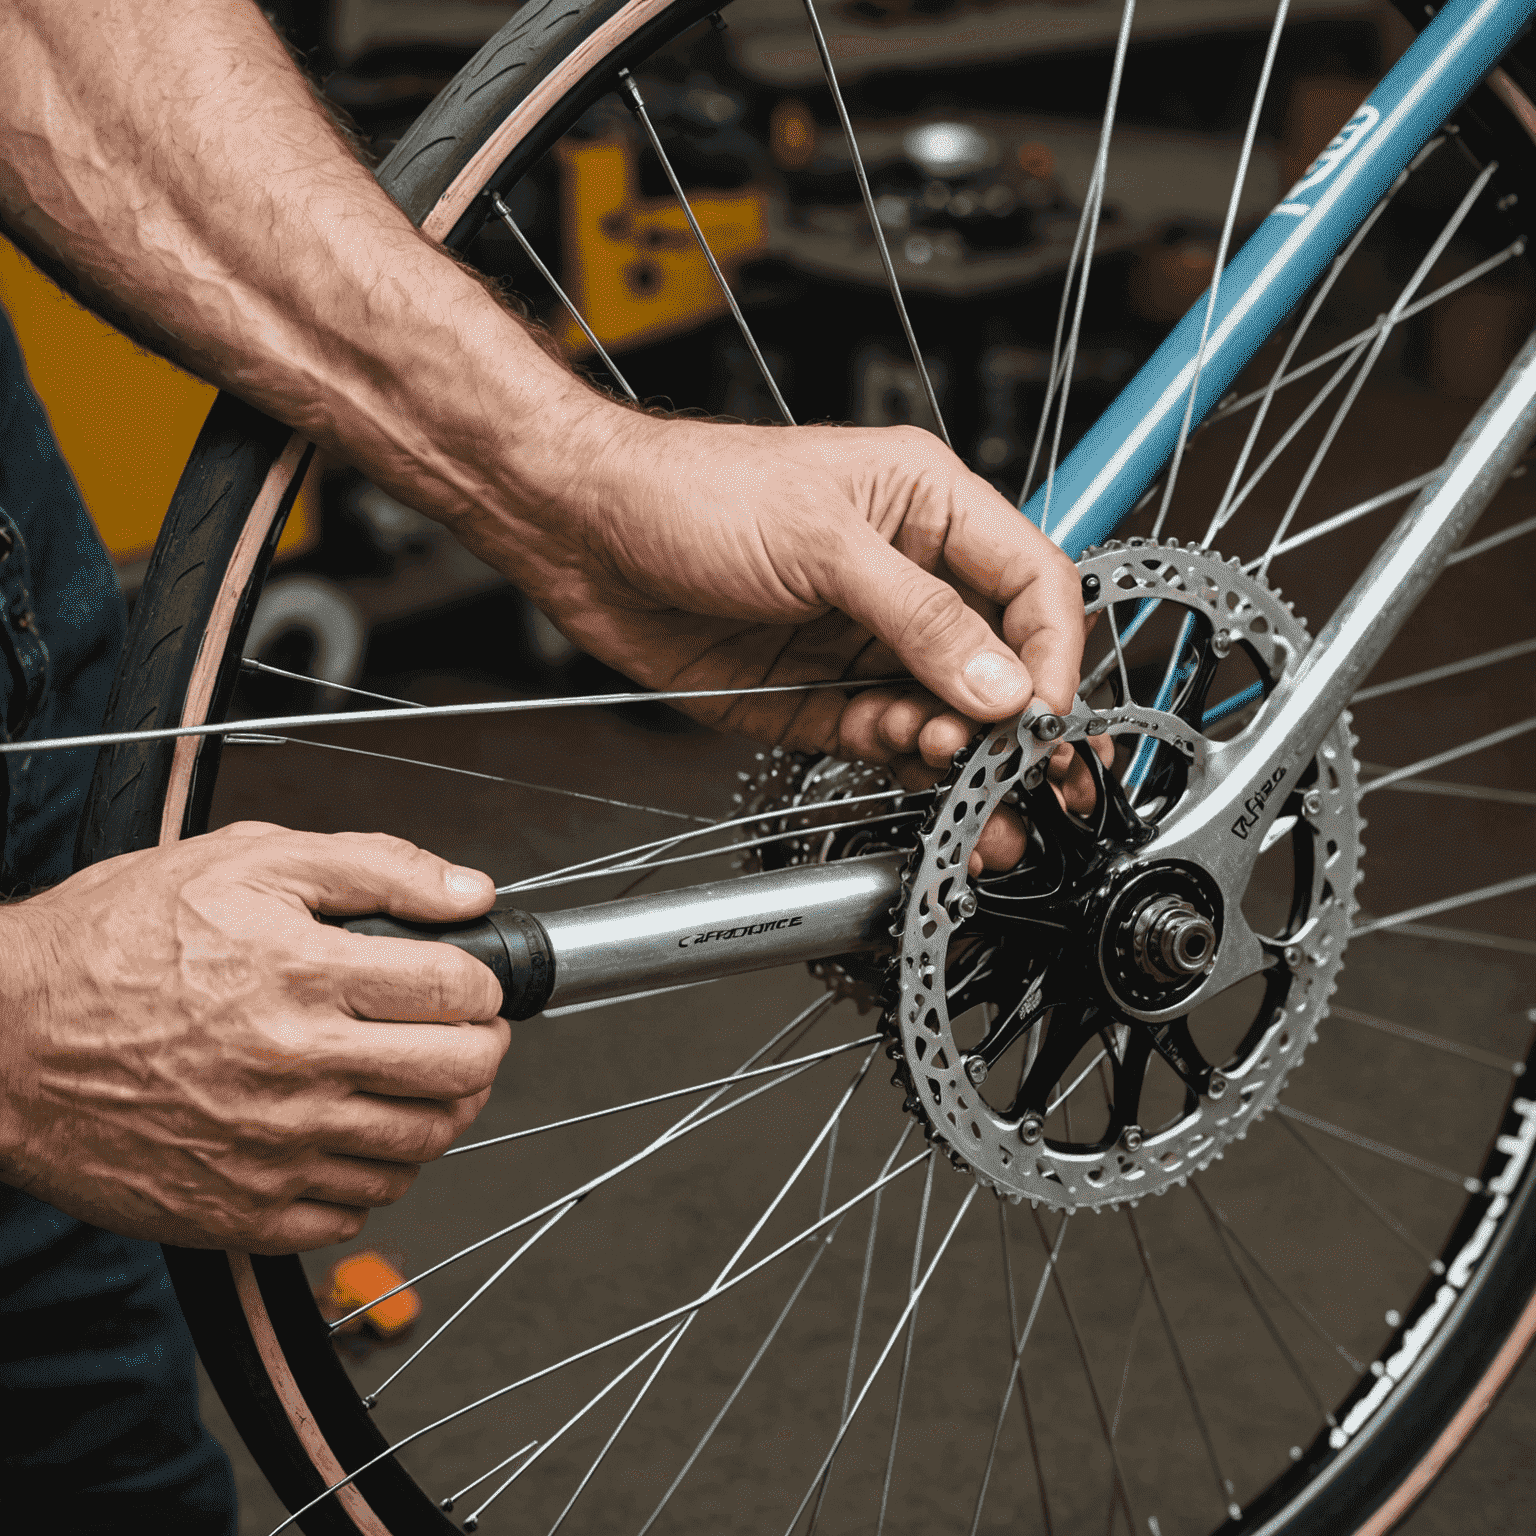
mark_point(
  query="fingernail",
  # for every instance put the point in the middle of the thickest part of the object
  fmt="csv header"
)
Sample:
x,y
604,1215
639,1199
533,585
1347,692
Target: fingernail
x,y
464,882
998,681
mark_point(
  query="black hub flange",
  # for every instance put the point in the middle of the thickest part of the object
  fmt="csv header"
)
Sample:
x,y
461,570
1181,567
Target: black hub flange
x,y
1159,936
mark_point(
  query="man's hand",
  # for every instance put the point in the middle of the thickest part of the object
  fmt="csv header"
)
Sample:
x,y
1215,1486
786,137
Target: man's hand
x,y
186,1055
693,555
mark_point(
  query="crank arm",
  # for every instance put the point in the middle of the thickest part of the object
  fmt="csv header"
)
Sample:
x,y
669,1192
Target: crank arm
x,y
674,938
1236,794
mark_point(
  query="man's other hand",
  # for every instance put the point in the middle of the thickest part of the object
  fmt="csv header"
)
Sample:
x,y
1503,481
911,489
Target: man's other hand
x,y
189,1056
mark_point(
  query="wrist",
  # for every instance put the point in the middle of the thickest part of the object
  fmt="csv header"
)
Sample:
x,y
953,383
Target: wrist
x,y
24,947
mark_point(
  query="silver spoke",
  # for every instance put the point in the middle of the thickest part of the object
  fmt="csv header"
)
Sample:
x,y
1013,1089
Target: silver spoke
x,y
1223,246
1493,541
828,1134
1125,1381
694,1120
637,103
1467,936
1076,1083
1434,1042
1017,1340
429,712
752,1365
475,773
453,1498
889,1345
1291,433
1378,345
1280,378
906,1357
371,1400
1271,1327
250,664
1451,789
1345,518
1379,1211
542,884
803,1236
1093,1387
830,73
505,215
1449,669
1383,1149
1224,1488
1451,755
1088,236
672,1093
1445,904
1301,1311
472,1520
637,856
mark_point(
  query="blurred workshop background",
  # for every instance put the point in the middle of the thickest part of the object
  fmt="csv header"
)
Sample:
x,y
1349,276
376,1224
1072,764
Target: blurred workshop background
x,y
979,171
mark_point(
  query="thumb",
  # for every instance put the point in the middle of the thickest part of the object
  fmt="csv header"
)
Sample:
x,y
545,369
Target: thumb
x,y
947,646
352,872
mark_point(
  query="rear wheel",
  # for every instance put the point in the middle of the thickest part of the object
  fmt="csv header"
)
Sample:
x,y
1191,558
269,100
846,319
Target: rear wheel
x,y
1293,1338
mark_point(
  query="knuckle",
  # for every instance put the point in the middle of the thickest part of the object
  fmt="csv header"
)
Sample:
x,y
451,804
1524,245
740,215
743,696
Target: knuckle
x,y
932,617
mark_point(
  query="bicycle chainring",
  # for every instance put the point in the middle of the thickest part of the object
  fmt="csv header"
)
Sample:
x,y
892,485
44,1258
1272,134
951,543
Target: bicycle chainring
x,y
1027,984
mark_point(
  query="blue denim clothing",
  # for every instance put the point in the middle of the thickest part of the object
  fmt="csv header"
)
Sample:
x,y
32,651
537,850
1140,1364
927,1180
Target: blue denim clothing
x,y
98,1387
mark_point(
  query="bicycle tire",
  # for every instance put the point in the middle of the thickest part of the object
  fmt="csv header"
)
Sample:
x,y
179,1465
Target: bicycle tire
x,y
255,1322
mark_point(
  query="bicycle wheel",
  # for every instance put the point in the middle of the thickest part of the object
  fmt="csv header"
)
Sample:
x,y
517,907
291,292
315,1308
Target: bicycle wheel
x,y
1294,1338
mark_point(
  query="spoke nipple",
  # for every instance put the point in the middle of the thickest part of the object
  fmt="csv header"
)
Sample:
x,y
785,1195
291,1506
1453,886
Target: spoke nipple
x,y
1031,1129
976,1070
446,1506
1216,1086
371,1401
1131,1138
1221,642
472,1524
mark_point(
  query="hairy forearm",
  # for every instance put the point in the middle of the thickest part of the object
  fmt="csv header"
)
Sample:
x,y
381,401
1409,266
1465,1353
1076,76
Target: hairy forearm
x,y
169,156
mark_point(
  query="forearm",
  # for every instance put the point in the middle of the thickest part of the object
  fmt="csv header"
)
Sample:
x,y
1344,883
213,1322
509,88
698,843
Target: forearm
x,y
170,156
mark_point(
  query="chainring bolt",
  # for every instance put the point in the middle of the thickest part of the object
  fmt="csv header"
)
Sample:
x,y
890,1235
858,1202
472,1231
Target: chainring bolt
x,y
1048,727
1216,1086
1097,726
962,905
1131,1138
1091,589
976,1070
1031,1129
1312,802
1294,956
1221,642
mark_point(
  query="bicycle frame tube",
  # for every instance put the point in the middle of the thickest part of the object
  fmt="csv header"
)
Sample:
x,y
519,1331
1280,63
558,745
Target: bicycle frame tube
x,y
1104,477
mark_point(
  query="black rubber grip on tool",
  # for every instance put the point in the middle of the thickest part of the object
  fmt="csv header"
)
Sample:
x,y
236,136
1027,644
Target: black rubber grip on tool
x,y
514,945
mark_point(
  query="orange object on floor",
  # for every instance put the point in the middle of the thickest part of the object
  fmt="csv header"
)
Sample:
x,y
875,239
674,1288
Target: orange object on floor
x,y
356,1280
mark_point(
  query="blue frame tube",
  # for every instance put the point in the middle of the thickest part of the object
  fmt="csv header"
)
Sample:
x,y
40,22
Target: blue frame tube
x,y
1104,477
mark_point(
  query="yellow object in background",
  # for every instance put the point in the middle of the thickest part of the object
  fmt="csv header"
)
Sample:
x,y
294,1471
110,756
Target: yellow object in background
x,y
125,420
633,267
